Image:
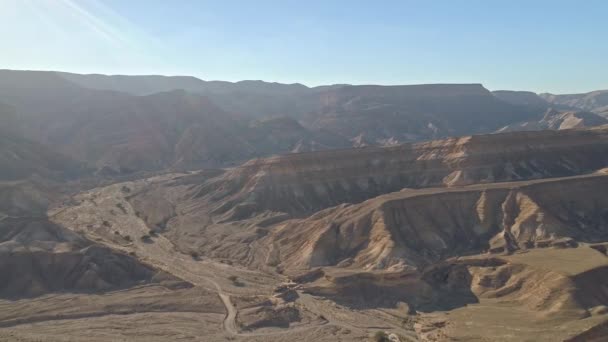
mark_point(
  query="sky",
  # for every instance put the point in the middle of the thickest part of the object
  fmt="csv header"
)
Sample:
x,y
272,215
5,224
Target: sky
x,y
537,45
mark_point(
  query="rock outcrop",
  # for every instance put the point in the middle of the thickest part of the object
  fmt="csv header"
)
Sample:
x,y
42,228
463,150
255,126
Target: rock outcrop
x,y
416,228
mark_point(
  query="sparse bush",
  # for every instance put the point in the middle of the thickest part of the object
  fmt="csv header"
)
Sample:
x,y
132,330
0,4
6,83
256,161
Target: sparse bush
x,y
125,189
381,336
152,232
408,322
121,207
116,232
194,255
146,238
128,238
411,309
235,281
106,224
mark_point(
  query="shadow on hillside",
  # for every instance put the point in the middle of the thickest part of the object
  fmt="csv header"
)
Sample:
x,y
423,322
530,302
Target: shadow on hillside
x,y
445,287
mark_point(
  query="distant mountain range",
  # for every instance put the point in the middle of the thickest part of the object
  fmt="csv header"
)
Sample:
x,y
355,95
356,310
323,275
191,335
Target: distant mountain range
x,y
125,124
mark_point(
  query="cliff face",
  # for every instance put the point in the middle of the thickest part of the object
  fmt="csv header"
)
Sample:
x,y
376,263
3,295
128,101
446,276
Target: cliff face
x,y
420,227
304,183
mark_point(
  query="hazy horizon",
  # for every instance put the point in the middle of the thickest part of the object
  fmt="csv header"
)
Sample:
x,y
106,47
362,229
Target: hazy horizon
x,y
296,83
552,47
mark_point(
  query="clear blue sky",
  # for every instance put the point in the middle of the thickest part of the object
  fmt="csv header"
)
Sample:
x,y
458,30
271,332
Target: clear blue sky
x,y
555,46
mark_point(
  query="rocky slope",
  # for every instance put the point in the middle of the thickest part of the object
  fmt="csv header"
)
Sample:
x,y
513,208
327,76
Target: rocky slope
x,y
287,134
485,237
421,227
45,258
556,120
397,251
439,236
522,98
254,99
596,101
520,280
557,114
21,158
387,114
39,257
230,214
307,182
127,124
120,133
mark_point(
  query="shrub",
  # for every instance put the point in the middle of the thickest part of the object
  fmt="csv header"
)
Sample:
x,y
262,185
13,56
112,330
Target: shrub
x,y
235,281
381,336
121,207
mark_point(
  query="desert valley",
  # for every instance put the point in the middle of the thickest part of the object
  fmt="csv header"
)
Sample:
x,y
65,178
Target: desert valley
x,y
153,208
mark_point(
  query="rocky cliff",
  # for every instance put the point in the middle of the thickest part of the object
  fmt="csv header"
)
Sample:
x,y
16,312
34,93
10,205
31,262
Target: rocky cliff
x,y
303,183
420,227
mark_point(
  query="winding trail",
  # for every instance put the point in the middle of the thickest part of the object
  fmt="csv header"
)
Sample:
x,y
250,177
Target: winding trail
x,y
231,312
